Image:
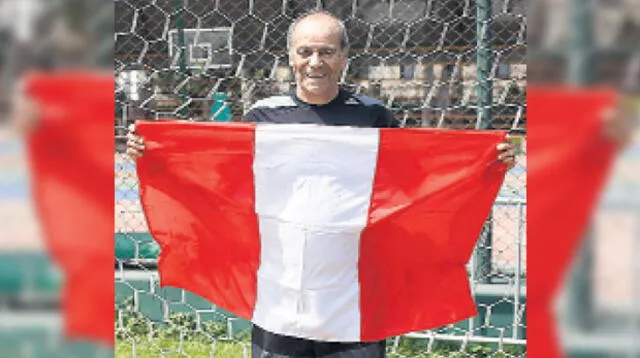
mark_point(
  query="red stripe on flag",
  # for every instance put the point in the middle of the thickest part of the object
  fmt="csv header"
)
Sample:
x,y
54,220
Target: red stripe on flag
x,y
569,162
431,195
71,157
206,226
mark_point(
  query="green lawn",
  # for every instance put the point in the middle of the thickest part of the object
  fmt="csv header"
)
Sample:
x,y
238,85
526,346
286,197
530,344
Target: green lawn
x,y
233,349
135,335
144,349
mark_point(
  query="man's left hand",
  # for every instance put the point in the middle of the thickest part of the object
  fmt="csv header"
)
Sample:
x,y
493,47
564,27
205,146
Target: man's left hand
x,y
507,153
619,124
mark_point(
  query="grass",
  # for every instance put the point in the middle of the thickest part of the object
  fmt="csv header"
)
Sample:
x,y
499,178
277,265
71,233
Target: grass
x,y
181,336
144,348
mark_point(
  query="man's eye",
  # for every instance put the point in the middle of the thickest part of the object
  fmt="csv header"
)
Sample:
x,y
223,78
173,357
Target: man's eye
x,y
304,52
327,52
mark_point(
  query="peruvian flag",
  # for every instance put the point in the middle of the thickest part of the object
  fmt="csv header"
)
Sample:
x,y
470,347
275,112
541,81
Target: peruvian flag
x,y
319,232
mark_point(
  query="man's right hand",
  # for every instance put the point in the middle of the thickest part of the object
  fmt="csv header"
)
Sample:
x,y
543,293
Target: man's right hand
x,y
135,144
24,110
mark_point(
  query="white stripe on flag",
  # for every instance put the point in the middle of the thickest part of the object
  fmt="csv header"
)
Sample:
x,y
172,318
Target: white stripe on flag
x,y
313,188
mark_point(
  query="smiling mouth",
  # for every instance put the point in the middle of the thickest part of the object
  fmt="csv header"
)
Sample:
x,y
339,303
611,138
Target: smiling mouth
x,y
315,76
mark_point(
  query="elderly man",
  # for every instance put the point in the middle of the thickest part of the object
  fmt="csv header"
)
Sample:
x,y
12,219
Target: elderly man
x,y
318,47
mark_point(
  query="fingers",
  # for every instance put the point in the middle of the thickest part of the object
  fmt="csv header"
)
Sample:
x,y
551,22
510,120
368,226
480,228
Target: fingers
x,y
507,146
508,159
133,153
507,154
618,125
133,138
504,146
135,144
24,113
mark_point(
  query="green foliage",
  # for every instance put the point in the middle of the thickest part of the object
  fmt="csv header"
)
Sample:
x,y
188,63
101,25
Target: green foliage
x,y
134,323
181,335
417,348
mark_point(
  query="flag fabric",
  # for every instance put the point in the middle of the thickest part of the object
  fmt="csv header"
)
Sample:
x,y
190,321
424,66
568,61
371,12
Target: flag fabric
x,y
568,163
319,232
71,159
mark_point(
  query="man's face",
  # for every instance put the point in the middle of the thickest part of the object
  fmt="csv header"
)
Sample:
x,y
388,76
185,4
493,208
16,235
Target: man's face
x,y
317,58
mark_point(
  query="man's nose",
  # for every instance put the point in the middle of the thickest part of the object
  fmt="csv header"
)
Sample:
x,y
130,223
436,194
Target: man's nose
x,y
315,60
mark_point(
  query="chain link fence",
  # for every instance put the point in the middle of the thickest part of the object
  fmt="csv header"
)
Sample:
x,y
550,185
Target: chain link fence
x,y
450,64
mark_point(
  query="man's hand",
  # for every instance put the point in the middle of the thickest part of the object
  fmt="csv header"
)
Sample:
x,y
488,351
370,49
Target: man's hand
x,y
507,153
619,125
135,144
24,113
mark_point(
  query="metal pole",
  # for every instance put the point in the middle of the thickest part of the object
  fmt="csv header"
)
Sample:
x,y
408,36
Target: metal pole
x,y
518,284
580,40
579,60
182,61
484,55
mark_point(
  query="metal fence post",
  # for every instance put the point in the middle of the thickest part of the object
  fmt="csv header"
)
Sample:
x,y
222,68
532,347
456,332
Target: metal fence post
x,y
580,55
484,54
182,61
580,58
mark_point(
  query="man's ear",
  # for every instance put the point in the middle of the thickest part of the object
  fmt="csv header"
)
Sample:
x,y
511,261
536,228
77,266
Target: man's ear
x,y
345,57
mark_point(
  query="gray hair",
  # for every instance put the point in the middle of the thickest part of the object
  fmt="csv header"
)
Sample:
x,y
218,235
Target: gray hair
x,y
344,37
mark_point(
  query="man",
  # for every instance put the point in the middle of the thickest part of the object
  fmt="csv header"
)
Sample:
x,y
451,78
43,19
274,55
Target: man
x,y
318,47
318,53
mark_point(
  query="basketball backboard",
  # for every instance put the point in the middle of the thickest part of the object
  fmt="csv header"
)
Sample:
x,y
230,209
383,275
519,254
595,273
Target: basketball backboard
x,y
204,48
